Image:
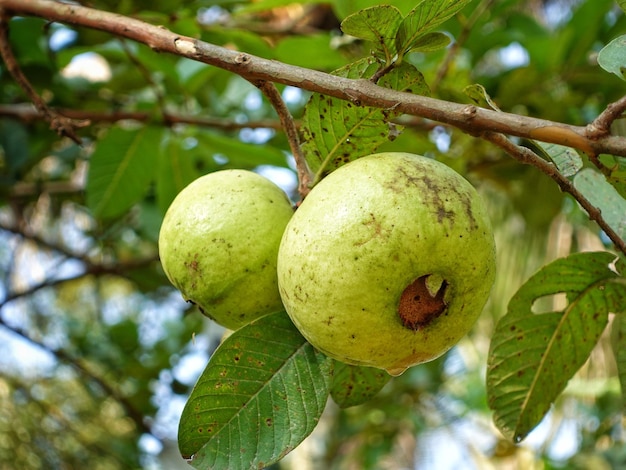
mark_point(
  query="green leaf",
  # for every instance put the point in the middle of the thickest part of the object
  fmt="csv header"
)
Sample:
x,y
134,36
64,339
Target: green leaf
x,y
261,394
354,385
532,356
566,159
615,172
176,169
622,4
612,57
478,94
336,131
121,168
605,197
378,24
430,42
425,17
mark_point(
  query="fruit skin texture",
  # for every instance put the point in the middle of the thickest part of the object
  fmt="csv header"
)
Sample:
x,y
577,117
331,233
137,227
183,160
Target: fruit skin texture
x,y
219,241
364,234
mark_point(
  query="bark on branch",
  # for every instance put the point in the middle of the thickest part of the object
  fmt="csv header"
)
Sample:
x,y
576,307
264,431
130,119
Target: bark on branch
x,y
471,119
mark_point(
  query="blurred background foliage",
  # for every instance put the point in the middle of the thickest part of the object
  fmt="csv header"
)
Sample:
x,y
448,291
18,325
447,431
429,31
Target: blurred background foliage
x,y
98,352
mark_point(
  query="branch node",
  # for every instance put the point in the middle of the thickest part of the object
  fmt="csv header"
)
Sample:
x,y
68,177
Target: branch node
x,y
242,59
185,46
469,112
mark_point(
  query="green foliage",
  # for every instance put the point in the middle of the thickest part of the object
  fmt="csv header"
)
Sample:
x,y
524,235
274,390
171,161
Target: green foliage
x,y
611,57
336,131
603,196
261,394
121,169
533,355
80,278
354,385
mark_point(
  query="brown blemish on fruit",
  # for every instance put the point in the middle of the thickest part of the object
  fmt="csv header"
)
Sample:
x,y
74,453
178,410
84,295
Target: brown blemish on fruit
x,y
418,307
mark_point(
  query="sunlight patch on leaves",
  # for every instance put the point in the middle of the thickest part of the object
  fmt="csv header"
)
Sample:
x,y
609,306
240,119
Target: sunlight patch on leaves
x,y
261,394
533,356
121,168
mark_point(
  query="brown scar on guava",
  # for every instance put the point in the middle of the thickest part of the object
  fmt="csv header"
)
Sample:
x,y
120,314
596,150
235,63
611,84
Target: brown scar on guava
x,y
418,307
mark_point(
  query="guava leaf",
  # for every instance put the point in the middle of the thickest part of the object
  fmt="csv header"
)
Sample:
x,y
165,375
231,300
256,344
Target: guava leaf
x,y
430,42
622,4
426,16
533,355
612,57
480,97
354,385
261,394
335,131
615,172
378,24
175,169
121,168
566,159
605,197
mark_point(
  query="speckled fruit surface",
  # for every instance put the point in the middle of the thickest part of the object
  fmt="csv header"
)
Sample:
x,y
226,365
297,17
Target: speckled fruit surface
x,y
219,241
388,262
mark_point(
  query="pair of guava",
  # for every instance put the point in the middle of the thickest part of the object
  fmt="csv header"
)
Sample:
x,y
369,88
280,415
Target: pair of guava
x,y
387,262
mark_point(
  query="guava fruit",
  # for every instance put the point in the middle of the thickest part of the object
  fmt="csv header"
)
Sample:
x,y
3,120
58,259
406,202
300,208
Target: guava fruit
x,y
388,261
219,241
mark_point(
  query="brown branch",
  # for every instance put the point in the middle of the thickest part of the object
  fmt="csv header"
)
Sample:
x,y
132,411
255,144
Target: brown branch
x,y
471,119
273,95
28,113
526,156
59,123
601,125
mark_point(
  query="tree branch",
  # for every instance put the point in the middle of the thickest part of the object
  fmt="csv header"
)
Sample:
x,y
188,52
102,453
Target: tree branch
x,y
528,157
28,113
61,124
471,119
304,174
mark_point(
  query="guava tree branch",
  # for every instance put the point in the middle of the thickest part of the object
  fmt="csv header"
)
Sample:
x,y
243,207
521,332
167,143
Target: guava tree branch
x,y
273,95
471,119
528,157
28,113
61,124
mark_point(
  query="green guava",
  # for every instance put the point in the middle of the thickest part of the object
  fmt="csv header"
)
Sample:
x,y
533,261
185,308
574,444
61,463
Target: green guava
x,y
219,241
388,262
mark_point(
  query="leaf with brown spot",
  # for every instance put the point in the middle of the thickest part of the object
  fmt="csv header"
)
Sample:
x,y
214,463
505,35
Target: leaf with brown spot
x,y
355,385
335,132
533,356
242,412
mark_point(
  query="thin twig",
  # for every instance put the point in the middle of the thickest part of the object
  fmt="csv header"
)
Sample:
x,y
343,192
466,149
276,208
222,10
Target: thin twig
x,y
60,124
470,119
28,113
273,95
527,156
601,126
